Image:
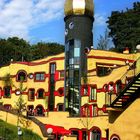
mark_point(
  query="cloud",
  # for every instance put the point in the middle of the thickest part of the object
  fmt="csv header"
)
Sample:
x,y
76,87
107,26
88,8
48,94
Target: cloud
x,y
17,17
100,20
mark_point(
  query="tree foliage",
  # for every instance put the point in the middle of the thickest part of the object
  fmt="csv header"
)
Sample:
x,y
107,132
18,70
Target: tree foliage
x,y
125,28
17,49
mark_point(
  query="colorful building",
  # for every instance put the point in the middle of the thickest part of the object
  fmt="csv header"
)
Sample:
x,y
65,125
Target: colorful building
x,y
85,92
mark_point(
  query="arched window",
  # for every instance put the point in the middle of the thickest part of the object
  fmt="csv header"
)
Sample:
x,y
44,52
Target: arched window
x,y
95,134
115,137
7,92
39,110
21,76
40,94
61,91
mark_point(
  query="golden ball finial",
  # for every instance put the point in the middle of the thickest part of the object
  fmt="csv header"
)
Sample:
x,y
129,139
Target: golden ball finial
x,y
78,7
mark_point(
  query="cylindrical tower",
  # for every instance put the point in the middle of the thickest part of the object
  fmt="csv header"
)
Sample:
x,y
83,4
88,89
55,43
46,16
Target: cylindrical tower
x,y
78,39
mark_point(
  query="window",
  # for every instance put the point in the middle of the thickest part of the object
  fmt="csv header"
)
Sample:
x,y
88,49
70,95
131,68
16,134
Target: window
x,y
39,76
85,92
21,76
103,71
84,135
62,74
31,94
76,52
7,106
76,133
93,94
94,111
60,107
61,91
52,68
7,92
0,93
40,94
95,135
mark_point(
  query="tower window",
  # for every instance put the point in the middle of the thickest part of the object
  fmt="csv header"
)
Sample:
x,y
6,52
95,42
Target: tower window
x,y
21,76
52,68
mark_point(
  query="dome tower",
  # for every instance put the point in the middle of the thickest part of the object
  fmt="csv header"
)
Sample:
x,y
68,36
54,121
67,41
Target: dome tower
x,y
78,40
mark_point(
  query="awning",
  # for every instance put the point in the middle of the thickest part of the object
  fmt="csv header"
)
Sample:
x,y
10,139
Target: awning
x,y
58,129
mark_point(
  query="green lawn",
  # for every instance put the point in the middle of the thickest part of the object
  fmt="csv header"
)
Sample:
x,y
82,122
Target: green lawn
x,y
9,132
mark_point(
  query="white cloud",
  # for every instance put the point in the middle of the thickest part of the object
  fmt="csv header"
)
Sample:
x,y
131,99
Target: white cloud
x,y
17,17
100,20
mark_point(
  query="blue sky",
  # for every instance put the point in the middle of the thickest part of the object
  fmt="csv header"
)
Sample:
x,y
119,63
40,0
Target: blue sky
x,y
42,20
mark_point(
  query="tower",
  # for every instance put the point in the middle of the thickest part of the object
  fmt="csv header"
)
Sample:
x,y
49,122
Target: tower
x,y
78,39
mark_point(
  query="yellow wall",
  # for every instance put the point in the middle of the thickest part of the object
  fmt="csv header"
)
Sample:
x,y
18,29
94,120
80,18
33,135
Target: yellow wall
x,y
126,124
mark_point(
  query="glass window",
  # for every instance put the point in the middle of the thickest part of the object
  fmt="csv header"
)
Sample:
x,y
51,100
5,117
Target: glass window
x,y
77,61
52,68
71,61
7,92
95,135
76,52
77,44
93,93
103,71
40,76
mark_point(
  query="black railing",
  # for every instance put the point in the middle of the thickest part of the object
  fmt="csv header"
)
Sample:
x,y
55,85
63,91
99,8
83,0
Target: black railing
x,y
127,79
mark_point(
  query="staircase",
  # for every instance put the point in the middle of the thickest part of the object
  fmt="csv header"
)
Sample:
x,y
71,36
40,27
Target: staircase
x,y
131,90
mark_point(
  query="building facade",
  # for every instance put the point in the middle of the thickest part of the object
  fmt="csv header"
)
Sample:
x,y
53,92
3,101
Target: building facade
x,y
83,90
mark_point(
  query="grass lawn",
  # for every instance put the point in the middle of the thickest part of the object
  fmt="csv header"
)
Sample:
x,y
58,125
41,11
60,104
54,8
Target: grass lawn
x,y
9,132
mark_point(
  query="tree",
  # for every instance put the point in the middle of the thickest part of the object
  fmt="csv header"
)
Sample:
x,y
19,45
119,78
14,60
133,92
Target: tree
x,y
104,42
42,49
18,49
125,28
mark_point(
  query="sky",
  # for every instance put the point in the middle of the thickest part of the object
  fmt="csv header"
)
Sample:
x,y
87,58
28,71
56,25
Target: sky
x,y
43,20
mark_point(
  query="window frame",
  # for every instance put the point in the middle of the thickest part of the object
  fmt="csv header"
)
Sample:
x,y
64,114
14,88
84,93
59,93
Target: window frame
x,y
39,80
0,92
4,92
29,93
38,93
17,76
94,99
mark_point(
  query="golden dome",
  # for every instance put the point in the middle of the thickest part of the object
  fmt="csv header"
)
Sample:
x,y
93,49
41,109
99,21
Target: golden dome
x,y
78,7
